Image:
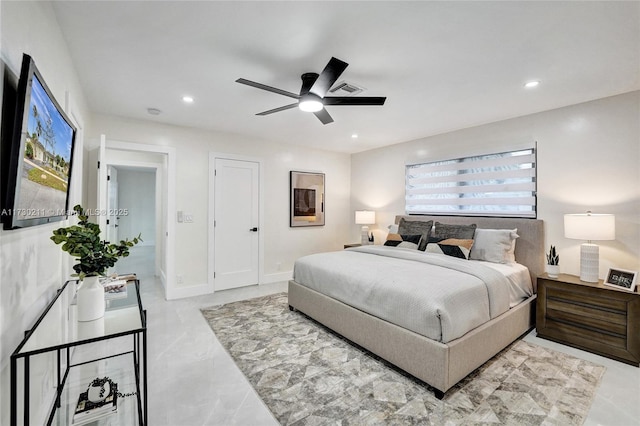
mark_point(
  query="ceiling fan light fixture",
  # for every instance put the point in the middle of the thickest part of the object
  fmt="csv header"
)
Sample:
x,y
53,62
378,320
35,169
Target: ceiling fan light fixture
x,y
310,103
314,88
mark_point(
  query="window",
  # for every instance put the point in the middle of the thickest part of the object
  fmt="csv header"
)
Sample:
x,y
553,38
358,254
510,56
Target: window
x,y
502,184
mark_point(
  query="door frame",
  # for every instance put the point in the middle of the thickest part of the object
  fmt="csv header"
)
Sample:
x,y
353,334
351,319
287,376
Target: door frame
x,y
168,279
110,228
212,234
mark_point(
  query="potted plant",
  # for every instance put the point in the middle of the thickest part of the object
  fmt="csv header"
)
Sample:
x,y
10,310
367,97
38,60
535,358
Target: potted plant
x,y
95,256
553,261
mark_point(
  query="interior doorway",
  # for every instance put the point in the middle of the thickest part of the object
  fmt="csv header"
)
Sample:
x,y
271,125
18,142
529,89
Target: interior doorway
x,y
161,162
132,211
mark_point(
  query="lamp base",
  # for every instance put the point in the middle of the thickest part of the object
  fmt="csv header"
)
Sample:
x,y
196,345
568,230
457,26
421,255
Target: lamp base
x,y
364,239
589,262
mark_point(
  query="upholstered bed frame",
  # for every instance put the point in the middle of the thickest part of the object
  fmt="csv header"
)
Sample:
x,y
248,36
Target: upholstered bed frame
x,y
438,364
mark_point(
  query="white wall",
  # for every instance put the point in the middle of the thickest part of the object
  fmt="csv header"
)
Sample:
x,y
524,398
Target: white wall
x,y
588,159
282,244
31,266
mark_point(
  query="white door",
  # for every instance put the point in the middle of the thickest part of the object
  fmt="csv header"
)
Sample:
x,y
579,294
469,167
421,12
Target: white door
x,y
112,204
236,221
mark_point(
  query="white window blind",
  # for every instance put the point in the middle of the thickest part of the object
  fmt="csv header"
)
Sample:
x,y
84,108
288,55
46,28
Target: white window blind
x,y
502,184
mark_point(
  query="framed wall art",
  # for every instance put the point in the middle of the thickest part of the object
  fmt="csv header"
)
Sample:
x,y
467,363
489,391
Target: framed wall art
x,y
306,192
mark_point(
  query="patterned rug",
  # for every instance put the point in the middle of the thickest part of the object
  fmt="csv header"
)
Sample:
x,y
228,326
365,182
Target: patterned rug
x,y
308,375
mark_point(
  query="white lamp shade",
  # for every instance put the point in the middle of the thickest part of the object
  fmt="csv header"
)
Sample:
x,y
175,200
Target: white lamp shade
x,y
365,217
590,227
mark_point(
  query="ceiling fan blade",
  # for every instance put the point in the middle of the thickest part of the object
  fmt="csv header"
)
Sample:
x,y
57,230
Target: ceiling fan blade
x,y
328,76
282,108
323,116
267,88
348,100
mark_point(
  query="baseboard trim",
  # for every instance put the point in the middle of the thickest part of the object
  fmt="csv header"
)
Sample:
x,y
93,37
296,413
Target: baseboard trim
x,y
202,289
280,276
190,291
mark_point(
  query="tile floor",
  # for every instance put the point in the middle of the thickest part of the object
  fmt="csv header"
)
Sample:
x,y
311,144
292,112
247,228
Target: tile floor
x,y
193,381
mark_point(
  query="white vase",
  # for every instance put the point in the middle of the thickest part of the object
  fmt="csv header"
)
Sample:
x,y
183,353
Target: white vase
x,y
553,271
90,299
91,329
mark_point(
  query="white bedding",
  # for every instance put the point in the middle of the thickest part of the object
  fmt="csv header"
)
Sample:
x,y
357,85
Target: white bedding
x,y
520,286
437,296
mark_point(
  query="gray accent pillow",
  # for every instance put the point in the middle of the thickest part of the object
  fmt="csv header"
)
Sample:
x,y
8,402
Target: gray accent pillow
x,y
494,245
461,232
415,227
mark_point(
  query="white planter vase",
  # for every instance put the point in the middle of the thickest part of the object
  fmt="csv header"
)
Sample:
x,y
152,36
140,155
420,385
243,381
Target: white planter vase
x,y
91,329
90,299
553,271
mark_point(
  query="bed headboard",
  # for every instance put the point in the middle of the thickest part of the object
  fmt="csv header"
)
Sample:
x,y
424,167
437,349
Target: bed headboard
x,y
529,247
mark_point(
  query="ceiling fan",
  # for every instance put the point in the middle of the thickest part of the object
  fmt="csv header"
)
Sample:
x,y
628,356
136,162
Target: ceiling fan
x,y
312,94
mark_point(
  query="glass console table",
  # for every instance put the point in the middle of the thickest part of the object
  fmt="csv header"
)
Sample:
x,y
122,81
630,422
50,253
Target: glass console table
x,y
114,346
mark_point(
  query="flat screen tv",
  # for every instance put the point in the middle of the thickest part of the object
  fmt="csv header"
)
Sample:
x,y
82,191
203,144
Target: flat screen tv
x,y
41,155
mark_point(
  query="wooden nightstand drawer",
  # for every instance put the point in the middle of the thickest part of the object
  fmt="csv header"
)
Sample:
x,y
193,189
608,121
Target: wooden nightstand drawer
x,y
587,311
589,316
591,336
565,313
584,298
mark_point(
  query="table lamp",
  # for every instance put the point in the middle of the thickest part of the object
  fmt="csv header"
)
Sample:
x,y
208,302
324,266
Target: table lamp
x,y
364,218
589,227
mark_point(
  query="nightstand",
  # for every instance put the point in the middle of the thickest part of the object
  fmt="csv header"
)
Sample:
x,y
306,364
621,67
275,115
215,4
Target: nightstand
x,y
352,245
589,316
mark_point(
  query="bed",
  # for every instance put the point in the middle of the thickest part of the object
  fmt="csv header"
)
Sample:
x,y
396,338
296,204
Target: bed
x,y
440,360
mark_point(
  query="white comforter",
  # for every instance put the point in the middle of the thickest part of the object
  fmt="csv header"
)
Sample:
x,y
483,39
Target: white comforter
x,y
440,297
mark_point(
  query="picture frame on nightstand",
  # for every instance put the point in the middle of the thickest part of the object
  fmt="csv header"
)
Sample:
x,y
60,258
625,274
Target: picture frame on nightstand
x,y
622,279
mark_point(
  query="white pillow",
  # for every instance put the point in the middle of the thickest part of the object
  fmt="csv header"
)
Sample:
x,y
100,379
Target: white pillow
x,y
494,245
393,229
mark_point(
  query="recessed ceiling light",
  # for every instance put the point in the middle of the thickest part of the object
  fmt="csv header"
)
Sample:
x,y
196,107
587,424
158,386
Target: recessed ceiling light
x,y
354,136
532,84
187,99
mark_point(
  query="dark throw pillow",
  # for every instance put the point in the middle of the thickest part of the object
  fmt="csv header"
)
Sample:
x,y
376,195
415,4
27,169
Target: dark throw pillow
x,y
462,232
405,241
416,227
454,247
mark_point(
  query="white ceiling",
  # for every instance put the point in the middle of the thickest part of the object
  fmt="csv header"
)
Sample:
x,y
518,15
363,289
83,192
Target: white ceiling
x,y
442,65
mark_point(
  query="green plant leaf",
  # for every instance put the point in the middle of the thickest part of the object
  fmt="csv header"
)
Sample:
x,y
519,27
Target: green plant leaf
x,y
83,242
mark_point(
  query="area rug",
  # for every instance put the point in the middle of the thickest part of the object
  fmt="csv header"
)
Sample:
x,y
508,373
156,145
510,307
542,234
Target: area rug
x,y
308,375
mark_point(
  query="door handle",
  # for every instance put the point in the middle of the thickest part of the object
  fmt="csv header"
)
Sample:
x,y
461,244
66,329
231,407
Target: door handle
x,y
253,230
